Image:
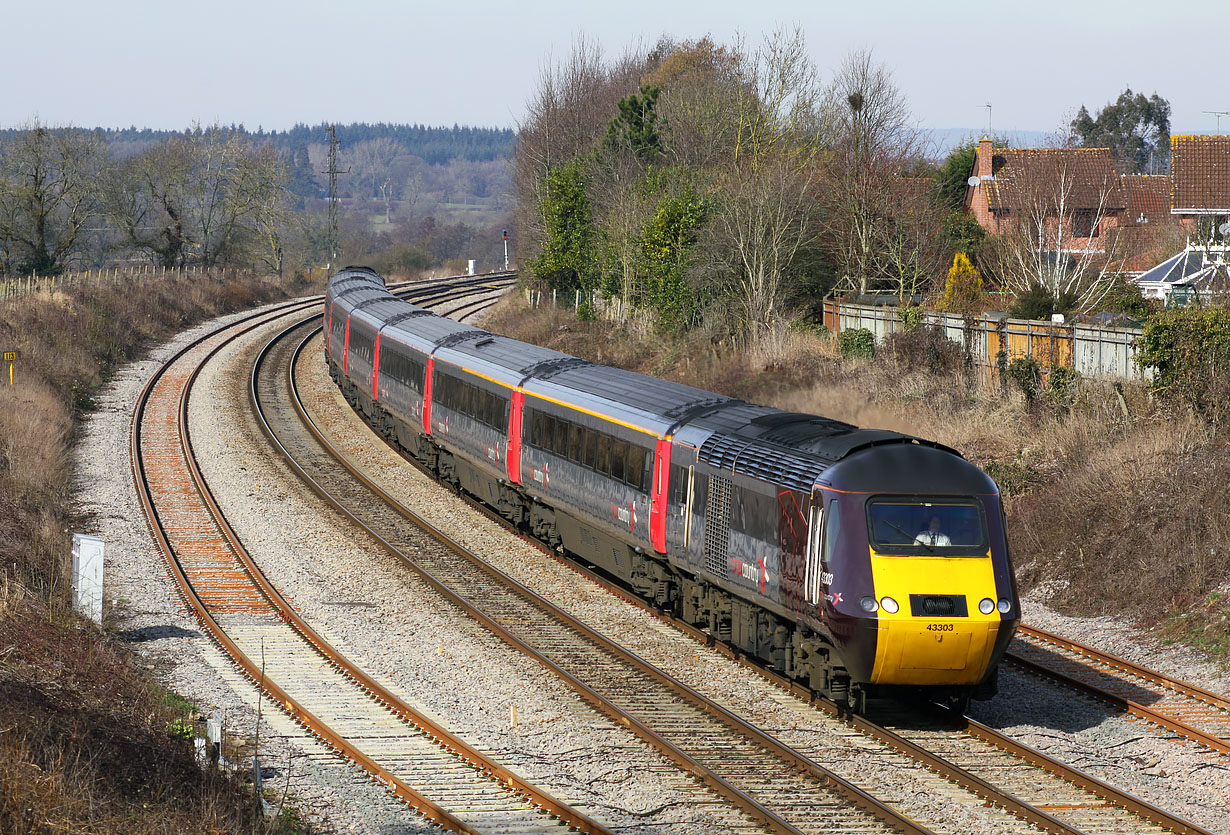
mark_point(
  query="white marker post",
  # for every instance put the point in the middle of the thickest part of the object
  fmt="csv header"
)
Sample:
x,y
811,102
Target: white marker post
x,y
88,576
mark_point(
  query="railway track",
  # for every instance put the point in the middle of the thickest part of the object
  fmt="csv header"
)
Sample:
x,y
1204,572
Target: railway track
x,y
436,773
1178,707
1050,796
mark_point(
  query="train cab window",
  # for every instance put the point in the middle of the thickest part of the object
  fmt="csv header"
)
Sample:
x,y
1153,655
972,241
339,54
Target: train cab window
x,y
917,526
832,531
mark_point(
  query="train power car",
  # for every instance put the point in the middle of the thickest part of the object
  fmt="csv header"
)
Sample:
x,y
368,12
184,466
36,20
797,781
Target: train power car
x,y
856,561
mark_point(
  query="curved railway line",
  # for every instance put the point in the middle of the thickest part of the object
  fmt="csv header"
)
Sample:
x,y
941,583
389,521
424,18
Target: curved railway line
x,y
1063,799
432,770
775,786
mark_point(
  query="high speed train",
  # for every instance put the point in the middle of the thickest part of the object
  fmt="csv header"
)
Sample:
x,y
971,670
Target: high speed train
x,y
855,561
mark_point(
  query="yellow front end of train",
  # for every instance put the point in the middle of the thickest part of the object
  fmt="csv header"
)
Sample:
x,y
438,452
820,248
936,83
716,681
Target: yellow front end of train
x,y
949,647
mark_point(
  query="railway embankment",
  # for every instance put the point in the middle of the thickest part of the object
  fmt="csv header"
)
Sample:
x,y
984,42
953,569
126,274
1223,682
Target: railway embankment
x,y
1115,498
88,741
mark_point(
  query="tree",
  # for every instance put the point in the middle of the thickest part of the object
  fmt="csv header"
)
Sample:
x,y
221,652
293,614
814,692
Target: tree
x,y
874,147
954,174
567,258
635,128
766,202
1040,249
1135,128
49,189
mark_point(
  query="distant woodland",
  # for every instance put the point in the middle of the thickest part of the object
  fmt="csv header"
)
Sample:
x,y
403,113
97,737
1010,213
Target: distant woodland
x,y
410,197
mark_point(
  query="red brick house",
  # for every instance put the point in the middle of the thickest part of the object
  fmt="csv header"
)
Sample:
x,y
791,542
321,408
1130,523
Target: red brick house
x,y
1200,181
1070,195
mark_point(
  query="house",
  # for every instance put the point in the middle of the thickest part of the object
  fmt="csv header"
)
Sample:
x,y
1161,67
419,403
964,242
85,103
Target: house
x,y
1200,183
1068,197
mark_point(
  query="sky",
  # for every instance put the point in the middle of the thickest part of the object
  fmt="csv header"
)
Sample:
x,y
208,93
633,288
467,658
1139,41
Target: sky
x,y
270,63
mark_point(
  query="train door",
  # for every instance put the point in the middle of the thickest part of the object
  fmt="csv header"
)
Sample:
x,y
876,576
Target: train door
x,y
814,587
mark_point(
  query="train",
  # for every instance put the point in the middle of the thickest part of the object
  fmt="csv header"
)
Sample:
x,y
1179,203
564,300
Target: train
x,y
858,562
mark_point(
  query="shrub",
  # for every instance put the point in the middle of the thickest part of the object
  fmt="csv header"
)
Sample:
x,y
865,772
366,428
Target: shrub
x,y
927,347
911,317
1027,374
1061,386
857,342
963,287
1189,351
1038,303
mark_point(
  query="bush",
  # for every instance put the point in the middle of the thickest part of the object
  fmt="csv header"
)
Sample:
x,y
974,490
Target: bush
x,y
963,288
911,317
1039,303
1027,374
1189,351
927,347
857,342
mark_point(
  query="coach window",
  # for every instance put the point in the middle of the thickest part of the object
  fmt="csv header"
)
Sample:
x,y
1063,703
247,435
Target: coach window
x,y
591,449
574,442
619,454
637,468
604,453
561,438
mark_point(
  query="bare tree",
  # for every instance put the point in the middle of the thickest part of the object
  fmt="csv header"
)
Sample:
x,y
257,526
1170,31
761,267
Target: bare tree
x,y
874,146
767,204
49,188
1059,235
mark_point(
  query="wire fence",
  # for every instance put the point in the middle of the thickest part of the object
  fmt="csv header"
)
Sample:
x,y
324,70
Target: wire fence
x,y
19,286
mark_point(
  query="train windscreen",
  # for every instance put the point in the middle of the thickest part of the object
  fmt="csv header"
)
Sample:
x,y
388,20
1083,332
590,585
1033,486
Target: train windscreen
x,y
926,527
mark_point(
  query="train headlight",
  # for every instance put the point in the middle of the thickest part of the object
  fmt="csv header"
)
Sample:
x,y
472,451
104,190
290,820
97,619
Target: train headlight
x,y
868,603
1004,606
987,606
889,605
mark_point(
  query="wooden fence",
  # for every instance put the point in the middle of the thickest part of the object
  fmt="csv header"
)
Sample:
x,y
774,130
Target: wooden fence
x,y
1090,350
12,288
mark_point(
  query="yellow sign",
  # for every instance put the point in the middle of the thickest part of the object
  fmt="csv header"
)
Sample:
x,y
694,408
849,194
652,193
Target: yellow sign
x,y
10,356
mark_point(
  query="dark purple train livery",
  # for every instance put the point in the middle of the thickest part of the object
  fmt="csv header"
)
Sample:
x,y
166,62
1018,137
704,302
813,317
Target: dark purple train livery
x,y
852,560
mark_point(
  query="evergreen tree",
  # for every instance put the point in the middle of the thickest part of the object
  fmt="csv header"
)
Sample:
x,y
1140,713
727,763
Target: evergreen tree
x,y
1135,128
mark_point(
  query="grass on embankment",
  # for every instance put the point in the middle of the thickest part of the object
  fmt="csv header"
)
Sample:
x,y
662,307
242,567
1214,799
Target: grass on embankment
x,y
1116,505
88,743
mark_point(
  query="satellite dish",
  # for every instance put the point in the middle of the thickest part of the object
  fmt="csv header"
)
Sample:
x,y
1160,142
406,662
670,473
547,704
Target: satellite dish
x,y
974,181
1224,228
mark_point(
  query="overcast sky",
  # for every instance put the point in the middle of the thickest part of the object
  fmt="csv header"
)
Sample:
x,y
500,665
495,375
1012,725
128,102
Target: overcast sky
x,y
168,63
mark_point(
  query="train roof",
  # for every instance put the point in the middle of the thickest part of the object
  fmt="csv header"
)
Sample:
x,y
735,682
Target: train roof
x,y
508,360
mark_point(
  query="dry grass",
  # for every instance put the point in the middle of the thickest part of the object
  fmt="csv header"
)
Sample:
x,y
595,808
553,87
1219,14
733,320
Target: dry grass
x,y
1115,513
84,739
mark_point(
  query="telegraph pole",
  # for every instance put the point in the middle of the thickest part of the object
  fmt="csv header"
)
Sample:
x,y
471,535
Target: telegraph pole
x,y
333,171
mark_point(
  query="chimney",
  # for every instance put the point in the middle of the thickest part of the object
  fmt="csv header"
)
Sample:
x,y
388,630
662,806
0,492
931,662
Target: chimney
x,y
982,167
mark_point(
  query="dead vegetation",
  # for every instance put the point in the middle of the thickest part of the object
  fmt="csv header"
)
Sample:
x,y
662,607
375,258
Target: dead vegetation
x,y
87,741
1115,503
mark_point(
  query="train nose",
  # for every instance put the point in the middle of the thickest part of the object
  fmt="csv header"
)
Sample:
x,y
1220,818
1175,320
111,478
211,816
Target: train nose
x,y
923,651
